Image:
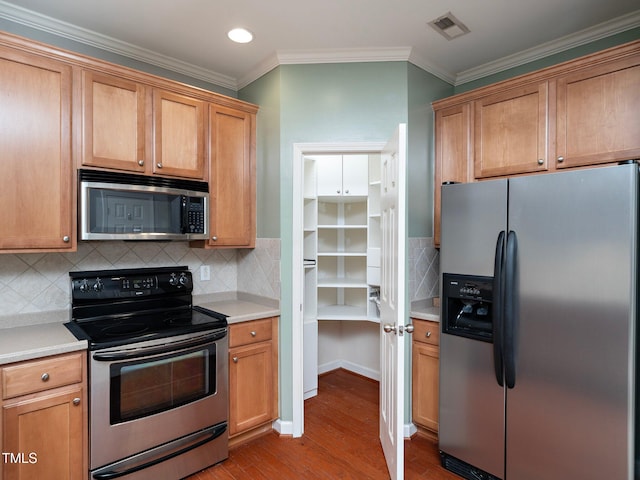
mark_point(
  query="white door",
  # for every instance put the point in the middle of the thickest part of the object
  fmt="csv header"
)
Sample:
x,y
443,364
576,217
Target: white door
x,y
392,305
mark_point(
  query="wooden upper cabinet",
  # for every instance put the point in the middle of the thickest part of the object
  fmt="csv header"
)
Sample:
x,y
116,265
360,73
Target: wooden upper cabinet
x,y
453,153
598,114
178,135
511,131
137,128
232,184
36,199
113,122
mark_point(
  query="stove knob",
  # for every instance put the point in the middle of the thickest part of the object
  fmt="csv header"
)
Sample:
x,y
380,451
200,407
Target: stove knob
x,y
184,280
84,286
173,281
98,286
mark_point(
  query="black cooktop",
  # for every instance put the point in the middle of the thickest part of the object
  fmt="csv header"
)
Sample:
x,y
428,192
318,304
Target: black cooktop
x,y
118,307
126,329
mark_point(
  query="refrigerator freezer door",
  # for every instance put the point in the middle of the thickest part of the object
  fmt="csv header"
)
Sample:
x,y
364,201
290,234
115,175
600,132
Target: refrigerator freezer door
x,y
471,424
570,413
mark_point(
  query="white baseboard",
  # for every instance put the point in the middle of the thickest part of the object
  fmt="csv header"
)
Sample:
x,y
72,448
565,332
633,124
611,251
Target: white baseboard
x,y
311,393
352,367
283,427
409,430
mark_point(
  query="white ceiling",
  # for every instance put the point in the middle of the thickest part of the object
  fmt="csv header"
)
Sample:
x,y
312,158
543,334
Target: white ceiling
x,y
189,36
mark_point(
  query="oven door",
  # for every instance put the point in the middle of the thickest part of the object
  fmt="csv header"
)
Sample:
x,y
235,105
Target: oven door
x,y
150,393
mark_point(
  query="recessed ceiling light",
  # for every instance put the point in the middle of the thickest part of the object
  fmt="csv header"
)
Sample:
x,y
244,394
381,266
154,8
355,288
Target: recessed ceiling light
x,y
240,35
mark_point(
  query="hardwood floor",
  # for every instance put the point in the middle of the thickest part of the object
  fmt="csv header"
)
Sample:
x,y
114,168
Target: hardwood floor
x,y
340,442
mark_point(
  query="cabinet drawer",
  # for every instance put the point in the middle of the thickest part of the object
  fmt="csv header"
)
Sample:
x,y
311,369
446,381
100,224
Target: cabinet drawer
x,y
426,332
249,332
38,375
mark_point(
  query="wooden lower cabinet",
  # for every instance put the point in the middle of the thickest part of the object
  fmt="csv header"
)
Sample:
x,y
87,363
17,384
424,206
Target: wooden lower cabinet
x,y
253,377
425,376
44,419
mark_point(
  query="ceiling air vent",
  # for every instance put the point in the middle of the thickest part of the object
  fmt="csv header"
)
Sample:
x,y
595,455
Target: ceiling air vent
x,y
449,26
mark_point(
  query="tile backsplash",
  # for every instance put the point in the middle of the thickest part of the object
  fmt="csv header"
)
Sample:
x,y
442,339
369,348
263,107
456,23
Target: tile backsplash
x,y
33,284
424,269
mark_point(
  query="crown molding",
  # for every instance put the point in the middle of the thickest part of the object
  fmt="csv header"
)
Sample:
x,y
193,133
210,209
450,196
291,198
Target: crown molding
x,y
66,30
433,69
343,55
260,70
50,25
583,37
335,55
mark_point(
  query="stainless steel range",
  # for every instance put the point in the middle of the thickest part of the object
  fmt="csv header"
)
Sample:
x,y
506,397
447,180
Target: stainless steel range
x,y
158,373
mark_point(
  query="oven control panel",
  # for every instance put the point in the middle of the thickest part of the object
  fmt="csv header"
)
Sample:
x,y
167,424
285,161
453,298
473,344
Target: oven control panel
x,y
130,283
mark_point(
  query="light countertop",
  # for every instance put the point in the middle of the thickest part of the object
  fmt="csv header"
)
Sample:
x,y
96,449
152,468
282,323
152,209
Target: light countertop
x,y
27,342
239,306
36,341
424,310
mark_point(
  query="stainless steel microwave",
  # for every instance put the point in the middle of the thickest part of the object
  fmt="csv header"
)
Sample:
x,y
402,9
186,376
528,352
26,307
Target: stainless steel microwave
x,y
121,206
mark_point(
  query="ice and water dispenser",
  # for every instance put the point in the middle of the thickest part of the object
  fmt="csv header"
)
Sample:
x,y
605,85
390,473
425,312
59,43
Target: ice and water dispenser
x,y
467,306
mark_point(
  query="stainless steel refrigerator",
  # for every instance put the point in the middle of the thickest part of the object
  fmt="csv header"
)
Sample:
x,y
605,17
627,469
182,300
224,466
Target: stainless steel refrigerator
x,y
539,309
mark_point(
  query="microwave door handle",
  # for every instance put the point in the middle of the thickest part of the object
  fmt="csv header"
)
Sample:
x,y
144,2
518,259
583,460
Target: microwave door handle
x,y
184,214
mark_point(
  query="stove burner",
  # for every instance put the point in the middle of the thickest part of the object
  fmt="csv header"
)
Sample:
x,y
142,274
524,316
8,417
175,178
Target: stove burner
x,y
124,329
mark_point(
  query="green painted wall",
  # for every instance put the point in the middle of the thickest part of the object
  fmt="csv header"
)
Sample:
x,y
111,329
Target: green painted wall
x,y
355,102
266,93
423,89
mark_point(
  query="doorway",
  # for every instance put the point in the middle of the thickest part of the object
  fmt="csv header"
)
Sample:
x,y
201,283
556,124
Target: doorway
x,y
301,152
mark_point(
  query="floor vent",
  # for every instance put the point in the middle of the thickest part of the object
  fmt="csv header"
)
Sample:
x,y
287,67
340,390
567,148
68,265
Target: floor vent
x,y
449,26
463,469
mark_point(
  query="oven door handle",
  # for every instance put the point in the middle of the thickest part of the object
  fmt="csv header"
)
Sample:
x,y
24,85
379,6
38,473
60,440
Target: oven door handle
x,y
212,434
166,348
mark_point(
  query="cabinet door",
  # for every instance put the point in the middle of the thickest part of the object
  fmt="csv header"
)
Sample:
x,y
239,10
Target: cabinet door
x,y
329,179
36,211
232,181
178,135
453,153
425,385
511,132
597,114
45,433
355,175
250,386
113,120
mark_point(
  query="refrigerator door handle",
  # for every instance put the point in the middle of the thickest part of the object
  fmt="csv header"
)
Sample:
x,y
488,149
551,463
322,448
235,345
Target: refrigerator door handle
x,y
511,309
498,298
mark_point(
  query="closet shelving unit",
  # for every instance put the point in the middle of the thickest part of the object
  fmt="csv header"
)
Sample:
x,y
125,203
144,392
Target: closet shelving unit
x,y
341,248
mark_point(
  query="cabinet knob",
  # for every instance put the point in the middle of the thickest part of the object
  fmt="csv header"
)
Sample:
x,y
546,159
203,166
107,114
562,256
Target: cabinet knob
x,y
141,163
337,191
560,159
235,359
76,401
159,165
66,239
253,334
428,334
541,161
214,238
347,192
45,377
